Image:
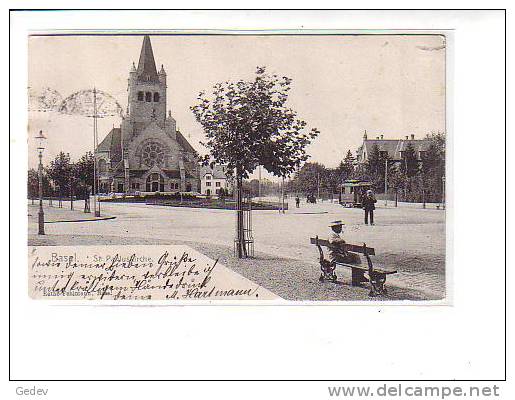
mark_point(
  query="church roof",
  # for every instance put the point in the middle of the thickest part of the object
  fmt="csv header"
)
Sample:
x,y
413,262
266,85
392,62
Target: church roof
x,y
184,142
112,143
172,173
147,66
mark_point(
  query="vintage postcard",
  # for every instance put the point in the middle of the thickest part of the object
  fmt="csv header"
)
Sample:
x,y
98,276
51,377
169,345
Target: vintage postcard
x,y
211,167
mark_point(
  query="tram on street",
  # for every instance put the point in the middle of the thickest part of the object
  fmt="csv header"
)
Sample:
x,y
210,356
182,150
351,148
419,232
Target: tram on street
x,y
351,192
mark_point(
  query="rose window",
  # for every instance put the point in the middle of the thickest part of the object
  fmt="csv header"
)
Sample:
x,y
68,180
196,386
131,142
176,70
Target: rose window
x,y
153,154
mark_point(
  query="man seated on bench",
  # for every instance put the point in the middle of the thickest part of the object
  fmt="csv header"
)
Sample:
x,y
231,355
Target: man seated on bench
x,y
337,253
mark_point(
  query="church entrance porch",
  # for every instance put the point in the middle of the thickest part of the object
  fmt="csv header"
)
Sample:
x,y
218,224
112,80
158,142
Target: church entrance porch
x,y
155,183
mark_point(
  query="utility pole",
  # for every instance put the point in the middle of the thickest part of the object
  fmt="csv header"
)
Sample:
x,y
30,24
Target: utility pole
x,y
259,182
60,201
71,191
386,181
318,185
41,214
282,195
443,192
50,203
95,145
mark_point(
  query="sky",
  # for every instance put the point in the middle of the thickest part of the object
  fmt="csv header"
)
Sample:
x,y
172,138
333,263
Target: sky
x,y
342,84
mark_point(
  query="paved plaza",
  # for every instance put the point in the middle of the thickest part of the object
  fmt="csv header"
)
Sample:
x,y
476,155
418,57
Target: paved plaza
x,y
407,238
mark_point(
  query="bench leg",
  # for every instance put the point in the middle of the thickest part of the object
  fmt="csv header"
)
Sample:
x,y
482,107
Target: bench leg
x,y
327,269
358,277
377,282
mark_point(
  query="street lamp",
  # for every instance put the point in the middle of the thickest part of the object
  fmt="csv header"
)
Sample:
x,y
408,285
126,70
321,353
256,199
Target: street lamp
x,y
386,182
95,145
41,215
443,192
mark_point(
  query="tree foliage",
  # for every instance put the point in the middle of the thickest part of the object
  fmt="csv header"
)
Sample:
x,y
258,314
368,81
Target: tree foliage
x,y
376,166
248,123
33,184
346,167
65,176
410,164
433,166
84,169
307,178
60,170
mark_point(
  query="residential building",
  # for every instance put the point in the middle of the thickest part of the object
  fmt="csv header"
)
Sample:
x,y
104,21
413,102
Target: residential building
x,y
213,179
394,148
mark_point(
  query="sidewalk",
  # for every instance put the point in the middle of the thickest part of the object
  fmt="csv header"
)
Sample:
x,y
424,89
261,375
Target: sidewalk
x,y
64,214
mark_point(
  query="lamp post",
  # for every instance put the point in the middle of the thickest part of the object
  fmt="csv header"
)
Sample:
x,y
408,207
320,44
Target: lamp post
x,y
259,182
71,190
41,214
95,145
282,195
443,192
386,182
318,185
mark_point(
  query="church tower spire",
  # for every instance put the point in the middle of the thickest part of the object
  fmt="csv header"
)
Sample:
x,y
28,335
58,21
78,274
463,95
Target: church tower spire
x,y
147,70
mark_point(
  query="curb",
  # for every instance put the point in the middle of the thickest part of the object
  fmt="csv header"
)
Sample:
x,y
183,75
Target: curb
x,y
81,220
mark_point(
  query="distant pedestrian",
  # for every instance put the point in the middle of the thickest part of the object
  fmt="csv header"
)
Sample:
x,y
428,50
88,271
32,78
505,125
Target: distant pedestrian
x,y
297,202
368,202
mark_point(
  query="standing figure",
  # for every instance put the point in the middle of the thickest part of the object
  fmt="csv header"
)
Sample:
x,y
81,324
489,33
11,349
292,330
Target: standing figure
x,y
368,202
297,201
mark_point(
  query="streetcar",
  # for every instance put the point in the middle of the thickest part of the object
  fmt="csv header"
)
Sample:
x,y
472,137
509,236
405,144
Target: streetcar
x,y
351,192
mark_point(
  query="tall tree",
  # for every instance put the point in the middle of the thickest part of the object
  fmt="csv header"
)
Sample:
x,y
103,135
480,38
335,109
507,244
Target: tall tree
x,y
433,165
373,161
32,183
331,181
410,164
346,167
84,168
60,171
309,177
248,123
396,179
375,167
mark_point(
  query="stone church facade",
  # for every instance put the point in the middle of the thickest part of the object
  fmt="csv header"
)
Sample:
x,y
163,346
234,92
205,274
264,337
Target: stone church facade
x,y
146,153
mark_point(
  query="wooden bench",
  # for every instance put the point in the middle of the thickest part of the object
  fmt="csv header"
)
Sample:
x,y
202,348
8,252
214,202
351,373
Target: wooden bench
x,y
376,276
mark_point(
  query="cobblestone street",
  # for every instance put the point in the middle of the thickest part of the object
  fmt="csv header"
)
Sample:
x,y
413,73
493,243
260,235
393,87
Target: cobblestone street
x,y
408,238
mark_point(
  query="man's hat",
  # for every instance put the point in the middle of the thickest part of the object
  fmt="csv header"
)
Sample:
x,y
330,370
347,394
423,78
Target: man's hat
x,y
336,223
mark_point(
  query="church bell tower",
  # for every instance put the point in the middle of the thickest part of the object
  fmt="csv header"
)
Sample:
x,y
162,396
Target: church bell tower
x,y
147,88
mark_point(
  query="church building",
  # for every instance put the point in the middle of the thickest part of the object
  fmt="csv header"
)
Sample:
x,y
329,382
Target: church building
x,y
146,153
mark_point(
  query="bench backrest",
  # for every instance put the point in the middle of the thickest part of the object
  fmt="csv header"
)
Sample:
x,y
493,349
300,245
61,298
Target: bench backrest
x,y
353,248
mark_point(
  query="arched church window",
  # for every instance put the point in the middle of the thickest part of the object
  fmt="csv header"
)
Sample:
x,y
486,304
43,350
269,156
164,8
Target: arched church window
x,y
102,166
153,154
156,97
141,96
148,96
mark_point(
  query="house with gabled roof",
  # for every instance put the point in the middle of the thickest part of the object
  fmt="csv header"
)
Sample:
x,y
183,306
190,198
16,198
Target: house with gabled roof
x,y
214,178
393,148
